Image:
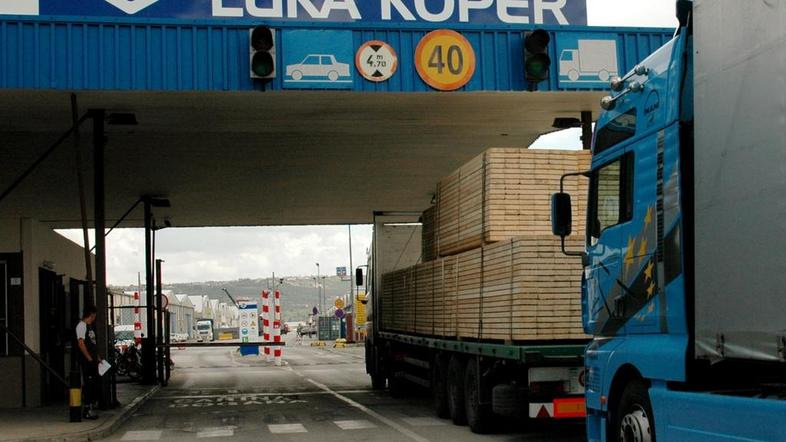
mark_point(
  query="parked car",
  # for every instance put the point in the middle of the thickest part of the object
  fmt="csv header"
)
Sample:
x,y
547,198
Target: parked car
x,y
306,330
124,337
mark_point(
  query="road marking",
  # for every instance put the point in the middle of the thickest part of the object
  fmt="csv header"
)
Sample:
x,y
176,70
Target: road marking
x,y
287,428
237,395
237,400
423,421
390,423
242,395
216,432
142,435
355,424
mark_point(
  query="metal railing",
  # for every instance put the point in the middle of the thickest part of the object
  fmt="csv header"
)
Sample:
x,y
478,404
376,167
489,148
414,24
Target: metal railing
x,y
37,358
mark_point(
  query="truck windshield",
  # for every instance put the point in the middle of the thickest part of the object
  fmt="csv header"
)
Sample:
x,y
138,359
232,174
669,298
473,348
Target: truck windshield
x,y
203,327
616,131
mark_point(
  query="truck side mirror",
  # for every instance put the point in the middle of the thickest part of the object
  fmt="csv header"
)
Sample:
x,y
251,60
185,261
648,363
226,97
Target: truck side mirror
x,y
358,277
561,214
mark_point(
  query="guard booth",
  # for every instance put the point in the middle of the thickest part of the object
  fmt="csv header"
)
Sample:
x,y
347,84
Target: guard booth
x,y
272,112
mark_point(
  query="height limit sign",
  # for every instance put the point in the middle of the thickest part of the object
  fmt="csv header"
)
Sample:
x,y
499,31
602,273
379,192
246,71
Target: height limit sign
x,y
376,61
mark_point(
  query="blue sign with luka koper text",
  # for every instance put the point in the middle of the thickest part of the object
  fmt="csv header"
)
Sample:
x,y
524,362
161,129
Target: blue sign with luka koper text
x,y
430,13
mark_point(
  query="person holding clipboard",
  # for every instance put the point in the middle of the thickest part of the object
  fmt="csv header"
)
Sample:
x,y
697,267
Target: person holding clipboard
x,y
89,361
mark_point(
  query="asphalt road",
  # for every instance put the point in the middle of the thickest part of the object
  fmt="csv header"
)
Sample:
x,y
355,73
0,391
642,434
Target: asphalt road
x,y
319,395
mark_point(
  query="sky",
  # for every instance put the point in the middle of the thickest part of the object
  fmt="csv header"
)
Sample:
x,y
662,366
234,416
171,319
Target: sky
x,y
220,254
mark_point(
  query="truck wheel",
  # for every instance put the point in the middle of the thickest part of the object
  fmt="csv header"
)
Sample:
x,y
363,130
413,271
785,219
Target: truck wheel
x,y
634,420
458,412
378,381
479,416
439,388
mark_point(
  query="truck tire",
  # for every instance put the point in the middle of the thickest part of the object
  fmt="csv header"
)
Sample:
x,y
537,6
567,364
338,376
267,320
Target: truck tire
x,y
479,415
510,401
439,387
458,411
634,421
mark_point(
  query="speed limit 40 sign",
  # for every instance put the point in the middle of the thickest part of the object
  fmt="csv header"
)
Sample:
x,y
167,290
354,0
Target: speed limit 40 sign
x,y
445,60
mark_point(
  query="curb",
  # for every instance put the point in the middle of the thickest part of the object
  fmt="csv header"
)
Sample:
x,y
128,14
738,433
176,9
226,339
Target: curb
x,y
106,428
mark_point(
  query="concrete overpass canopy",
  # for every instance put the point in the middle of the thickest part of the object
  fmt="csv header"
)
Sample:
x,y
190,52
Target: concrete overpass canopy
x,y
229,149
369,104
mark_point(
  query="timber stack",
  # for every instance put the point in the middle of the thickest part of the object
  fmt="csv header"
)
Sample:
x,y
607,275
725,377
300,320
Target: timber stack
x,y
491,269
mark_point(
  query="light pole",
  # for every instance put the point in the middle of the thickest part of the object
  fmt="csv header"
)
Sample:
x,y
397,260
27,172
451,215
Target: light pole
x,y
351,266
319,293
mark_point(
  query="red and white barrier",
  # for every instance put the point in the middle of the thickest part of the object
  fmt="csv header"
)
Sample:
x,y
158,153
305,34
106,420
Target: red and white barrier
x,y
137,320
266,321
277,327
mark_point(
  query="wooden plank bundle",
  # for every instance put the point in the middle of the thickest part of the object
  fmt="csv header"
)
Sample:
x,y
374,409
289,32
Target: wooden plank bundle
x,y
491,269
521,289
504,193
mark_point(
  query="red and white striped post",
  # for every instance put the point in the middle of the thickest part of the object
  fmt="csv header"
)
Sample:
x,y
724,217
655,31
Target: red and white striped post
x,y
137,320
266,320
277,327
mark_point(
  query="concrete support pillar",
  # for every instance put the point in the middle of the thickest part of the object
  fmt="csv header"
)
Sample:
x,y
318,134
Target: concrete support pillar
x,y
148,343
99,223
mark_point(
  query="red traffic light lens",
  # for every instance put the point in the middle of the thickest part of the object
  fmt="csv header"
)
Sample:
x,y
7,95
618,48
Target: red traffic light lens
x,y
262,38
537,41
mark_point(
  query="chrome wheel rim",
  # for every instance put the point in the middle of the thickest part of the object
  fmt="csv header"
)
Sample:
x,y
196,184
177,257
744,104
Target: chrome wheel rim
x,y
635,426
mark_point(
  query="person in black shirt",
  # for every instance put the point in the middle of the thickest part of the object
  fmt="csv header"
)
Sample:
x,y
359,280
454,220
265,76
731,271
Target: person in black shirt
x,y
88,360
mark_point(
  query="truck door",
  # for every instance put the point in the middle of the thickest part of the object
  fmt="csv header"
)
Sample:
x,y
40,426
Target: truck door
x,y
607,244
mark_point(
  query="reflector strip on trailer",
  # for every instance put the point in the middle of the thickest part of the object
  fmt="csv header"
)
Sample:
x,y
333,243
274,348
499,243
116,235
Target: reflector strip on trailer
x,y
541,410
569,408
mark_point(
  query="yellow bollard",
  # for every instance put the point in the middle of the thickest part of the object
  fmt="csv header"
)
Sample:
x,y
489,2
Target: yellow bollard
x,y
75,397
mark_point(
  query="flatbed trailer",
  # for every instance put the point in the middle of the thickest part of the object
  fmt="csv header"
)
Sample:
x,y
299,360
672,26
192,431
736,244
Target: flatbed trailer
x,y
562,353
471,381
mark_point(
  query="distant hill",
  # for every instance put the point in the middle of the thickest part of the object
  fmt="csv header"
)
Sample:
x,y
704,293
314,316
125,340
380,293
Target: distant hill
x,y
298,293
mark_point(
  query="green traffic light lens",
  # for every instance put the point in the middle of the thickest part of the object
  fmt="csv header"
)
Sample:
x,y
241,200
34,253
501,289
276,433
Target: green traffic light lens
x,y
262,64
537,67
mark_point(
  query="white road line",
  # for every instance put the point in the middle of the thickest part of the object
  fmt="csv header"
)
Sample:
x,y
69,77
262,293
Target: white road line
x,y
142,435
216,432
359,424
287,428
390,423
423,421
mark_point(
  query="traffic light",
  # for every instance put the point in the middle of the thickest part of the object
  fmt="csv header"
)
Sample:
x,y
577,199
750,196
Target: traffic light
x,y
263,52
536,57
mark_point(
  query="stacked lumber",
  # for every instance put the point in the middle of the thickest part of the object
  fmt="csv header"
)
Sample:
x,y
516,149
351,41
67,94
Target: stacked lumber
x,y
504,193
532,291
491,268
521,289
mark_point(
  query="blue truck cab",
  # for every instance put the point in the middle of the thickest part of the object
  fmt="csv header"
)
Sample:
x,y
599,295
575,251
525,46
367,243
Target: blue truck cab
x,y
654,369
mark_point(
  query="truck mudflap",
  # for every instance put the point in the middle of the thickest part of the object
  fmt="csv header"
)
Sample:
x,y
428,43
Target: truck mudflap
x,y
561,408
